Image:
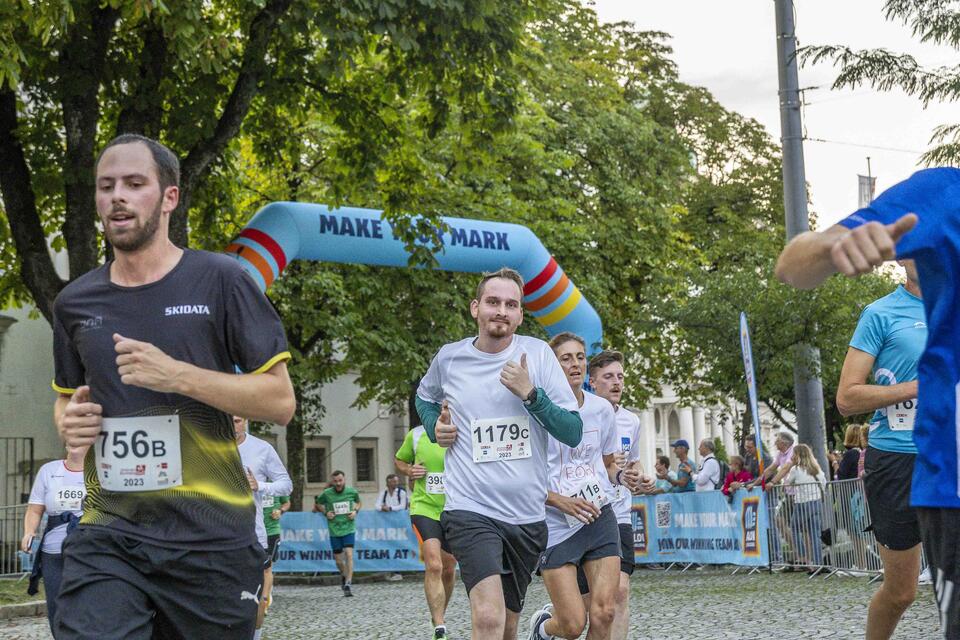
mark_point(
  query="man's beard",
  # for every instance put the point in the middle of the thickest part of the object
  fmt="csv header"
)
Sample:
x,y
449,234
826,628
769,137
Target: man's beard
x,y
136,238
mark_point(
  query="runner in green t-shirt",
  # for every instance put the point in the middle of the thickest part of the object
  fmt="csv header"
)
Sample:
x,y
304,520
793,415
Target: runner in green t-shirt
x,y
340,504
422,460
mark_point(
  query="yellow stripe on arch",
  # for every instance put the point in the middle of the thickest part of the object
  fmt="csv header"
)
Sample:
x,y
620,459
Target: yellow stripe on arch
x,y
563,310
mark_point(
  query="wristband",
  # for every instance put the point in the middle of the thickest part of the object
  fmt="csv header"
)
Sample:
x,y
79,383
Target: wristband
x,y
619,473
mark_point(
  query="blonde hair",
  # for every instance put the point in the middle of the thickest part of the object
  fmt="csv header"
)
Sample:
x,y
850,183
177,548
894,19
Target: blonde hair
x,y
803,456
864,435
852,437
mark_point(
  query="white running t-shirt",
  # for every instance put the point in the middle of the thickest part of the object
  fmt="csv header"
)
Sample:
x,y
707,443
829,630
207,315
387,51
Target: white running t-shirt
x,y
628,439
59,490
512,491
570,467
272,477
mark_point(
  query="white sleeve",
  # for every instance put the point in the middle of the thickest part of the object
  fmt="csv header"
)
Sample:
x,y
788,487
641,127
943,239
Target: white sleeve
x,y
550,377
431,385
635,447
610,443
380,497
279,483
38,492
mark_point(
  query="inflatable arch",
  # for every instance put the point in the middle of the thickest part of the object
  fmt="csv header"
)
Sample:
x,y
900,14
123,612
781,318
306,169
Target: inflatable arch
x,y
285,231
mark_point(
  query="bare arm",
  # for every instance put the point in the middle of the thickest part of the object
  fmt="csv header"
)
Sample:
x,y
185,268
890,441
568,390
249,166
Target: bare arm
x,y
266,396
855,396
813,256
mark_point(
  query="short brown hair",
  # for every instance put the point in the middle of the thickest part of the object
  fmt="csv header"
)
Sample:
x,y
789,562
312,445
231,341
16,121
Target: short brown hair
x,y
504,272
167,164
566,336
603,359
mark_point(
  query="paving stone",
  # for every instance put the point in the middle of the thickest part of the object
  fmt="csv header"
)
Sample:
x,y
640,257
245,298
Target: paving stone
x,y
664,606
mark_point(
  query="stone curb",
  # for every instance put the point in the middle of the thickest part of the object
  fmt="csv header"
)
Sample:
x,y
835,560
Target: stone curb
x,y
330,580
23,610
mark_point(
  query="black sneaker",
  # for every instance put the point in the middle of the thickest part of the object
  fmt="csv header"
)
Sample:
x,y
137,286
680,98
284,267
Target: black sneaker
x,y
343,582
440,633
346,591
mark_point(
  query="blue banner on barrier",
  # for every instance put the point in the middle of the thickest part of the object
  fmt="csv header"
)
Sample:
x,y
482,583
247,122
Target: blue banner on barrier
x,y
701,527
385,542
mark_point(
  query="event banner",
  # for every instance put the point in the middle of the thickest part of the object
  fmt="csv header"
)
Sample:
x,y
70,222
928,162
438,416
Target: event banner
x,y
701,527
748,369
385,541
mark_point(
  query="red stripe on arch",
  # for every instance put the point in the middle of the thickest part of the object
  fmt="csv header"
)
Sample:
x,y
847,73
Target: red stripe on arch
x,y
542,278
269,244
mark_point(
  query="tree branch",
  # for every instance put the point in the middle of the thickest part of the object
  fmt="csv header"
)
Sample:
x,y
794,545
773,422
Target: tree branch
x,y
204,152
81,65
144,109
20,206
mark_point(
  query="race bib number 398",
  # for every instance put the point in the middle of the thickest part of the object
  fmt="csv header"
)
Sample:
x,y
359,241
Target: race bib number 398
x,y
139,454
501,439
434,483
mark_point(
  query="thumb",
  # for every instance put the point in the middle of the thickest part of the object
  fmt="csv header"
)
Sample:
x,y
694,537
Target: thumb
x,y
445,411
523,360
899,228
82,394
118,338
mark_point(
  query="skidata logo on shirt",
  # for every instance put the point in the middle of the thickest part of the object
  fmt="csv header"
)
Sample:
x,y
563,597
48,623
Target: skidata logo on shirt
x,y
187,310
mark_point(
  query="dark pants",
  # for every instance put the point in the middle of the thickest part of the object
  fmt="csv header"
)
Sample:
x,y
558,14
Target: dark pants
x,y
52,572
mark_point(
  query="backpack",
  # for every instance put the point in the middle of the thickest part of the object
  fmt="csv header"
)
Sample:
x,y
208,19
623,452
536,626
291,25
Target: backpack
x,y
724,470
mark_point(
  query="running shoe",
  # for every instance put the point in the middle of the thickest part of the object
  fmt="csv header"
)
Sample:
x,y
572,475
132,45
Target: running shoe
x,y
343,582
347,593
538,618
925,577
440,633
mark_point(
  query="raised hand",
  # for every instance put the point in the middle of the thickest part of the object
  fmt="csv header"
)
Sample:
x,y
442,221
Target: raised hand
x,y
143,365
445,430
860,250
516,378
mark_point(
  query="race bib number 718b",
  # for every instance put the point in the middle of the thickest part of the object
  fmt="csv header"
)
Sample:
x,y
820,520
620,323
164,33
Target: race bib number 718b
x,y
139,454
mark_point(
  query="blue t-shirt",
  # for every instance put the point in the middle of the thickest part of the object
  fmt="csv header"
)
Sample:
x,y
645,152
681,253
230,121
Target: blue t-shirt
x,y
681,474
893,330
934,195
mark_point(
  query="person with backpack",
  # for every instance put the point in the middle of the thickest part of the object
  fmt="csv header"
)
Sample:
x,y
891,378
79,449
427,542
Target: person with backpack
x,y
709,476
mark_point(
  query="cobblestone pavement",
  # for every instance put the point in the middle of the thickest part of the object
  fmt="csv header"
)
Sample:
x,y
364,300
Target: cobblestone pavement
x,y
665,606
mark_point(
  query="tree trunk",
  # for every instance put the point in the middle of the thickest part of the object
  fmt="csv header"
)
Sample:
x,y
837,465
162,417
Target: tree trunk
x,y
295,453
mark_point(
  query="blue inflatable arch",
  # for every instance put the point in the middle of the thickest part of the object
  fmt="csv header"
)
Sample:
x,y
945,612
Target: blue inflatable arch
x,y
285,231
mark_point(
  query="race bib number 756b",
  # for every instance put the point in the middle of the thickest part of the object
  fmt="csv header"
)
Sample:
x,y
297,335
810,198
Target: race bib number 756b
x,y
501,439
139,454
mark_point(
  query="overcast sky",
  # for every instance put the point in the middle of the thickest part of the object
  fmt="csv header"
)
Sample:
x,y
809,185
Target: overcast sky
x,y
729,47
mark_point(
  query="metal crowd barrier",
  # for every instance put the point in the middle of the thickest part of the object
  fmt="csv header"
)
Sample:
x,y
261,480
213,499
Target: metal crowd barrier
x,y
822,530
11,533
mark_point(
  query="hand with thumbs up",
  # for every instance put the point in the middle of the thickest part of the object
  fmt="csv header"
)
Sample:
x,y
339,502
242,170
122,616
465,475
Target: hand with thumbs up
x,y
81,420
252,479
516,378
869,245
141,364
445,431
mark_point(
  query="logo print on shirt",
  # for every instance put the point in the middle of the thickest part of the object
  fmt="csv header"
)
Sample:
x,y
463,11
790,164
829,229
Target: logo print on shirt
x,y
91,323
187,309
919,325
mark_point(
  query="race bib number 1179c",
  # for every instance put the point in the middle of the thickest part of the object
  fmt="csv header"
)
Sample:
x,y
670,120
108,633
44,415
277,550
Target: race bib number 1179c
x,y
501,439
139,454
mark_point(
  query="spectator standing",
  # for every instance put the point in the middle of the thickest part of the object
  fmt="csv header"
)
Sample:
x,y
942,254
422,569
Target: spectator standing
x,y
707,477
850,460
394,497
340,505
58,491
665,476
809,480
751,463
738,476
684,481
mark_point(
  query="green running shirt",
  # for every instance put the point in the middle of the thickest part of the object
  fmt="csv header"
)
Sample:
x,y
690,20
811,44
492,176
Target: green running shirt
x,y
417,449
341,525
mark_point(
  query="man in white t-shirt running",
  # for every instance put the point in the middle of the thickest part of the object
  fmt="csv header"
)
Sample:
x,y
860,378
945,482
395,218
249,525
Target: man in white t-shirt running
x,y
581,525
267,478
494,401
606,378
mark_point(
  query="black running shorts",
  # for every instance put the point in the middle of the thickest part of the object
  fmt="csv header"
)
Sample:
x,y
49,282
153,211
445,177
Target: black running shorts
x,y
118,587
627,562
886,482
941,541
272,551
487,547
427,529
599,539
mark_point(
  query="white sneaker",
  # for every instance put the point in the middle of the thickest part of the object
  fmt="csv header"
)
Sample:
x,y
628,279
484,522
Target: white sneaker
x,y
925,577
537,619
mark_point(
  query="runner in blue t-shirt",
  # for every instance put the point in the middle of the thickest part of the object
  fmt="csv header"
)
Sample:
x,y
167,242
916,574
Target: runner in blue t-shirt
x,y
917,219
880,374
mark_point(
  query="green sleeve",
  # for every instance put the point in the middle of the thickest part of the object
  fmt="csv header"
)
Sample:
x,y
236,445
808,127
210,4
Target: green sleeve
x,y
321,501
429,412
283,499
565,426
405,452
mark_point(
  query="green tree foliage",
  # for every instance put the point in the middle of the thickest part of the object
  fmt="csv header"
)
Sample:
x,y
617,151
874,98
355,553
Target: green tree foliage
x,y
930,21
74,73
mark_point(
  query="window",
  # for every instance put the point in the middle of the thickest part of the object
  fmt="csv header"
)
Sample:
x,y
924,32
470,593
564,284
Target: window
x,y
365,463
317,461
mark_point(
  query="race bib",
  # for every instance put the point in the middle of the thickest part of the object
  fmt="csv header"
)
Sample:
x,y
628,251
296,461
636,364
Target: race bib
x,y
266,502
435,483
139,454
501,439
341,508
590,491
900,416
70,498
